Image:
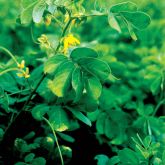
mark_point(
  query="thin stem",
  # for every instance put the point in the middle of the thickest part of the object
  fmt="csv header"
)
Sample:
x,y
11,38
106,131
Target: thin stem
x,y
8,70
149,128
89,15
27,102
17,92
58,22
158,106
9,53
63,33
54,133
35,89
32,35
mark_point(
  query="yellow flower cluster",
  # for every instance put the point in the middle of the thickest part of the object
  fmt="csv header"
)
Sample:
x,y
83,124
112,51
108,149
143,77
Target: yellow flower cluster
x,y
69,41
44,41
24,71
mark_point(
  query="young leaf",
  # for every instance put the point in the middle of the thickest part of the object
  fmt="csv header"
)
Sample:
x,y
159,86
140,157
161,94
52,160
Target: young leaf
x,y
38,11
82,52
77,83
79,115
131,32
62,80
113,22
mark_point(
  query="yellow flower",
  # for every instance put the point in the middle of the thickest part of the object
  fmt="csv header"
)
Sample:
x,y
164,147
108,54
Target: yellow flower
x,y
21,65
70,41
44,41
23,73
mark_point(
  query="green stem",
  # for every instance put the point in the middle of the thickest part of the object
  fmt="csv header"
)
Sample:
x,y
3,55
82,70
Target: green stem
x,y
27,102
158,106
63,33
35,89
32,35
25,90
8,70
58,22
60,153
89,15
9,53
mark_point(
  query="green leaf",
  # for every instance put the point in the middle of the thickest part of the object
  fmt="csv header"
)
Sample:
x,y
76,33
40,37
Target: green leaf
x,y
38,11
131,32
102,159
124,6
139,20
113,22
8,83
96,67
100,123
128,156
30,135
28,158
93,87
51,65
77,83
91,104
62,80
163,157
58,118
156,85
109,128
114,160
93,115
39,111
66,137
26,3
157,161
48,143
79,53
1,133
80,116
39,161
66,152
26,14
147,141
